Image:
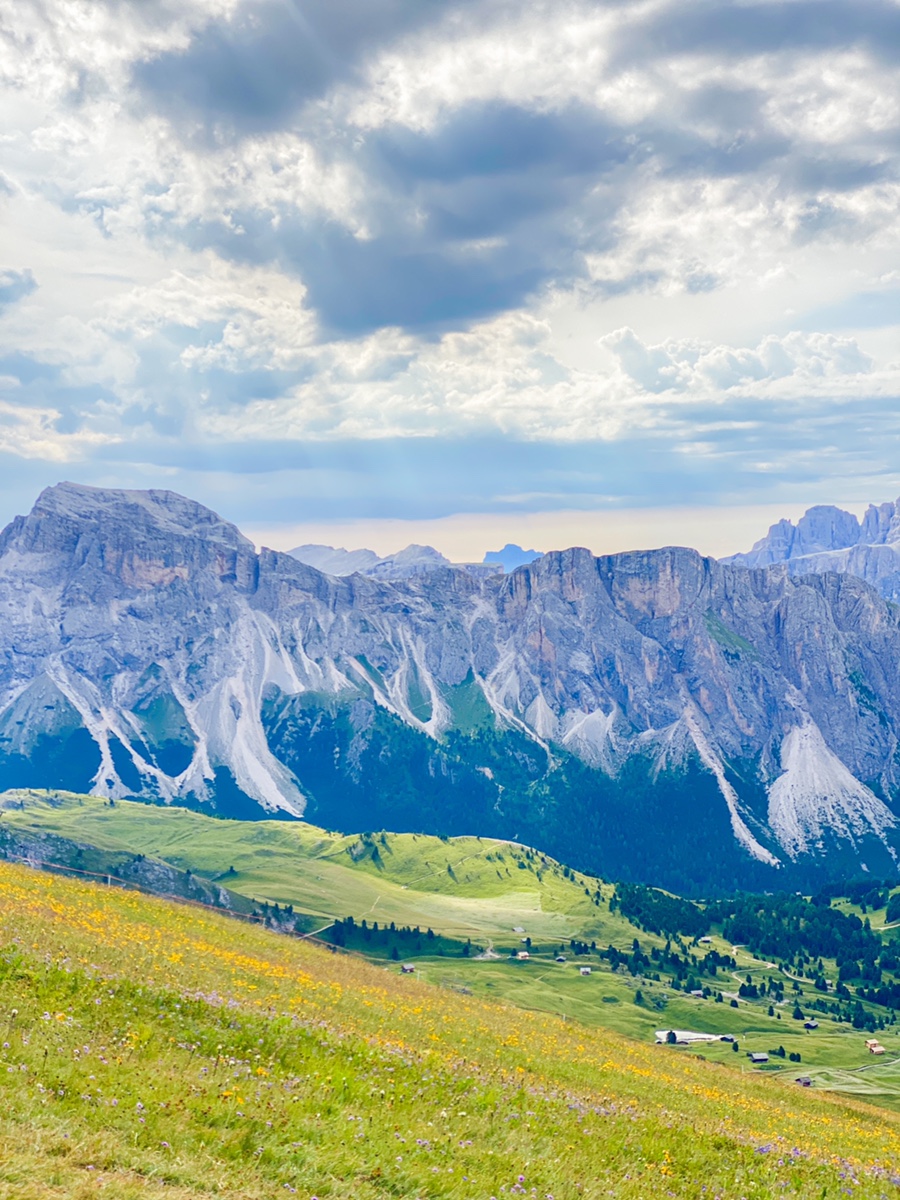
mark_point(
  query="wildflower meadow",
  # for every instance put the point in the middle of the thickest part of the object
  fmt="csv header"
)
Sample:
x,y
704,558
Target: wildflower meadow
x,y
152,1048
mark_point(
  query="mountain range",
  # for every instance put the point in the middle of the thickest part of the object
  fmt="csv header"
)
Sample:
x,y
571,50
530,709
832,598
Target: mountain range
x,y
413,560
653,715
829,539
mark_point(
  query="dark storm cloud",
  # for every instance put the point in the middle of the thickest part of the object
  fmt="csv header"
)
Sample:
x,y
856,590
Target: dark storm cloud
x,y
494,192
495,201
253,72
747,29
474,216
470,219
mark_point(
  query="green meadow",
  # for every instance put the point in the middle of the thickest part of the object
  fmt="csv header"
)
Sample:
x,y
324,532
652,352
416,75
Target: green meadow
x,y
465,887
151,1049
484,900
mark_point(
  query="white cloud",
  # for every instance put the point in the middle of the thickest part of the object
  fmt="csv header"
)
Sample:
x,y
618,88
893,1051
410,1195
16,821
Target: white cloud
x,y
795,362
174,288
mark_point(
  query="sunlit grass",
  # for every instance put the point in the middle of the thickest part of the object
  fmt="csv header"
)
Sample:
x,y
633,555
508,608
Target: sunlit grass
x,y
466,887
151,1048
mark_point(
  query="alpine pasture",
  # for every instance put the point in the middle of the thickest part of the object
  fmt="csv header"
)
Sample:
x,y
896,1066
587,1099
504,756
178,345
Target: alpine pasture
x,y
151,1048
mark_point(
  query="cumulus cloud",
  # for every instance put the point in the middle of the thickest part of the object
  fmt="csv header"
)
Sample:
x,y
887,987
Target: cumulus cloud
x,y
797,360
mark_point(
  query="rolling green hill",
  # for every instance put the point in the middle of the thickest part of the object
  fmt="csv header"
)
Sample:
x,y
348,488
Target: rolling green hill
x,y
464,887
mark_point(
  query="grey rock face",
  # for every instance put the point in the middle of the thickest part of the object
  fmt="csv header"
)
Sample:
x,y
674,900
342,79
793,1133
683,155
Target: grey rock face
x,y
145,634
829,539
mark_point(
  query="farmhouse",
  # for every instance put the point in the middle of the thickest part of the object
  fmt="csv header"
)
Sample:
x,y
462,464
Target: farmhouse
x,y
684,1037
810,1024
874,1046
757,1057
407,969
584,970
523,954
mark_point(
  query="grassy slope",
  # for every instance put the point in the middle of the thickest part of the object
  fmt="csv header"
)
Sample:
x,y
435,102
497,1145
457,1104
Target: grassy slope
x,y
154,1050
484,899
320,873
835,1056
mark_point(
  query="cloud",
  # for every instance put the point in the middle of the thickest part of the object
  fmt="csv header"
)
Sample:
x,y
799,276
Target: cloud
x,y
468,183
461,222
425,165
14,286
253,70
797,359
748,29
378,252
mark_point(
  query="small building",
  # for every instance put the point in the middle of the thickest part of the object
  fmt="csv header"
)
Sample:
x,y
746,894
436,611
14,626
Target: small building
x,y
697,992
560,958
803,1080
756,1057
810,1024
727,1037
684,1037
407,969
584,970
522,955
874,1046
704,941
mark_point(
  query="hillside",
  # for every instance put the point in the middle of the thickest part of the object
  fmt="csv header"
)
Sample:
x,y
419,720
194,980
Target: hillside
x,y
653,716
151,1049
465,888
459,910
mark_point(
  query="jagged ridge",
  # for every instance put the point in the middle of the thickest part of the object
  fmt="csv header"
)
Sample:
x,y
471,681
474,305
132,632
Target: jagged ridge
x,y
149,651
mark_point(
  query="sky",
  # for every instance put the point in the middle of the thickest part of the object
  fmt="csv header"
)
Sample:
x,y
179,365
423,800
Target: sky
x,y
460,271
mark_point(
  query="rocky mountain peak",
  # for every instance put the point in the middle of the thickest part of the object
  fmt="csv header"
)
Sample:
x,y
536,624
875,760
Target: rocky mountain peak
x,y
622,710
827,538
156,512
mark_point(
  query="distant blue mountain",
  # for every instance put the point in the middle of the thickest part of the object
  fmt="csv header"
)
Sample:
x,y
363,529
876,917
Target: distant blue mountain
x,y
511,556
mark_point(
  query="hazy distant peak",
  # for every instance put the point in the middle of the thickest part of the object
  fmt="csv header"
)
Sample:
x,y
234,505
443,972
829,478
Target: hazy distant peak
x,y
827,538
416,553
411,560
335,561
511,556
